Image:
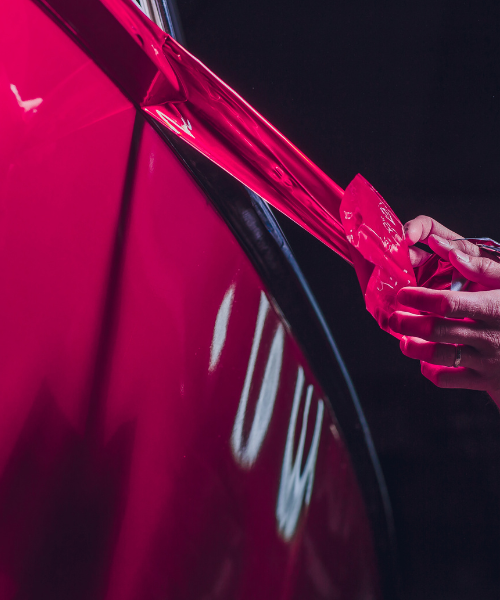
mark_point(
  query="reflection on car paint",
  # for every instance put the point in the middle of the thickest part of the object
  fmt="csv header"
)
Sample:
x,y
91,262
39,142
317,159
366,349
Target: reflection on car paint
x,y
246,452
26,105
220,328
296,486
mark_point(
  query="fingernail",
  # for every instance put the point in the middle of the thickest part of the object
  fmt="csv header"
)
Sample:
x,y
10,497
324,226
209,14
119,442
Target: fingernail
x,y
443,243
462,256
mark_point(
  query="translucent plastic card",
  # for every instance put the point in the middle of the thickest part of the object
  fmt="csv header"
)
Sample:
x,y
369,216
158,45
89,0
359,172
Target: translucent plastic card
x,y
378,249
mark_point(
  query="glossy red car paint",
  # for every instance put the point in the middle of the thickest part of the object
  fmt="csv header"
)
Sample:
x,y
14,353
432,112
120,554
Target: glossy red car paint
x,y
162,433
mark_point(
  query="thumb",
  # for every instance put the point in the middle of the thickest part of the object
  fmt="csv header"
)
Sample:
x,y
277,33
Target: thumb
x,y
478,269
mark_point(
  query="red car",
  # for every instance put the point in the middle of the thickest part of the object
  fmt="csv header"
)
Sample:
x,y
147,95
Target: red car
x,y
176,420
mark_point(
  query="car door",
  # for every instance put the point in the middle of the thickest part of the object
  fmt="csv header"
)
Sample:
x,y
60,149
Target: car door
x,y
176,419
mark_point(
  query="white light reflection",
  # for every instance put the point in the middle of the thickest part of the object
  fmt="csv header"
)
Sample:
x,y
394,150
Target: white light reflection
x,y
26,105
296,487
174,125
247,452
220,329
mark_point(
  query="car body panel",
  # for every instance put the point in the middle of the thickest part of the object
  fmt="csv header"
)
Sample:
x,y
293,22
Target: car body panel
x,y
163,434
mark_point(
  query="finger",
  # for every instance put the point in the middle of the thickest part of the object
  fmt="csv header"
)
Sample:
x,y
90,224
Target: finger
x,y
418,256
478,269
443,246
419,229
440,354
437,329
484,306
449,377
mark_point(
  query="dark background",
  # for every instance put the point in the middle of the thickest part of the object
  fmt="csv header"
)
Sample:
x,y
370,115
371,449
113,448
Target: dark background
x,y
407,95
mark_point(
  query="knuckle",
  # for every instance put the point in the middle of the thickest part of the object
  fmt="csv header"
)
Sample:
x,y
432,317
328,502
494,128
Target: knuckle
x,y
492,339
468,248
438,328
484,266
426,224
488,268
492,308
441,355
450,304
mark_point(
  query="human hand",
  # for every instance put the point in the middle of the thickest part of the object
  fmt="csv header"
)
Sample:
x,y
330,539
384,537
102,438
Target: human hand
x,y
440,240
470,320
